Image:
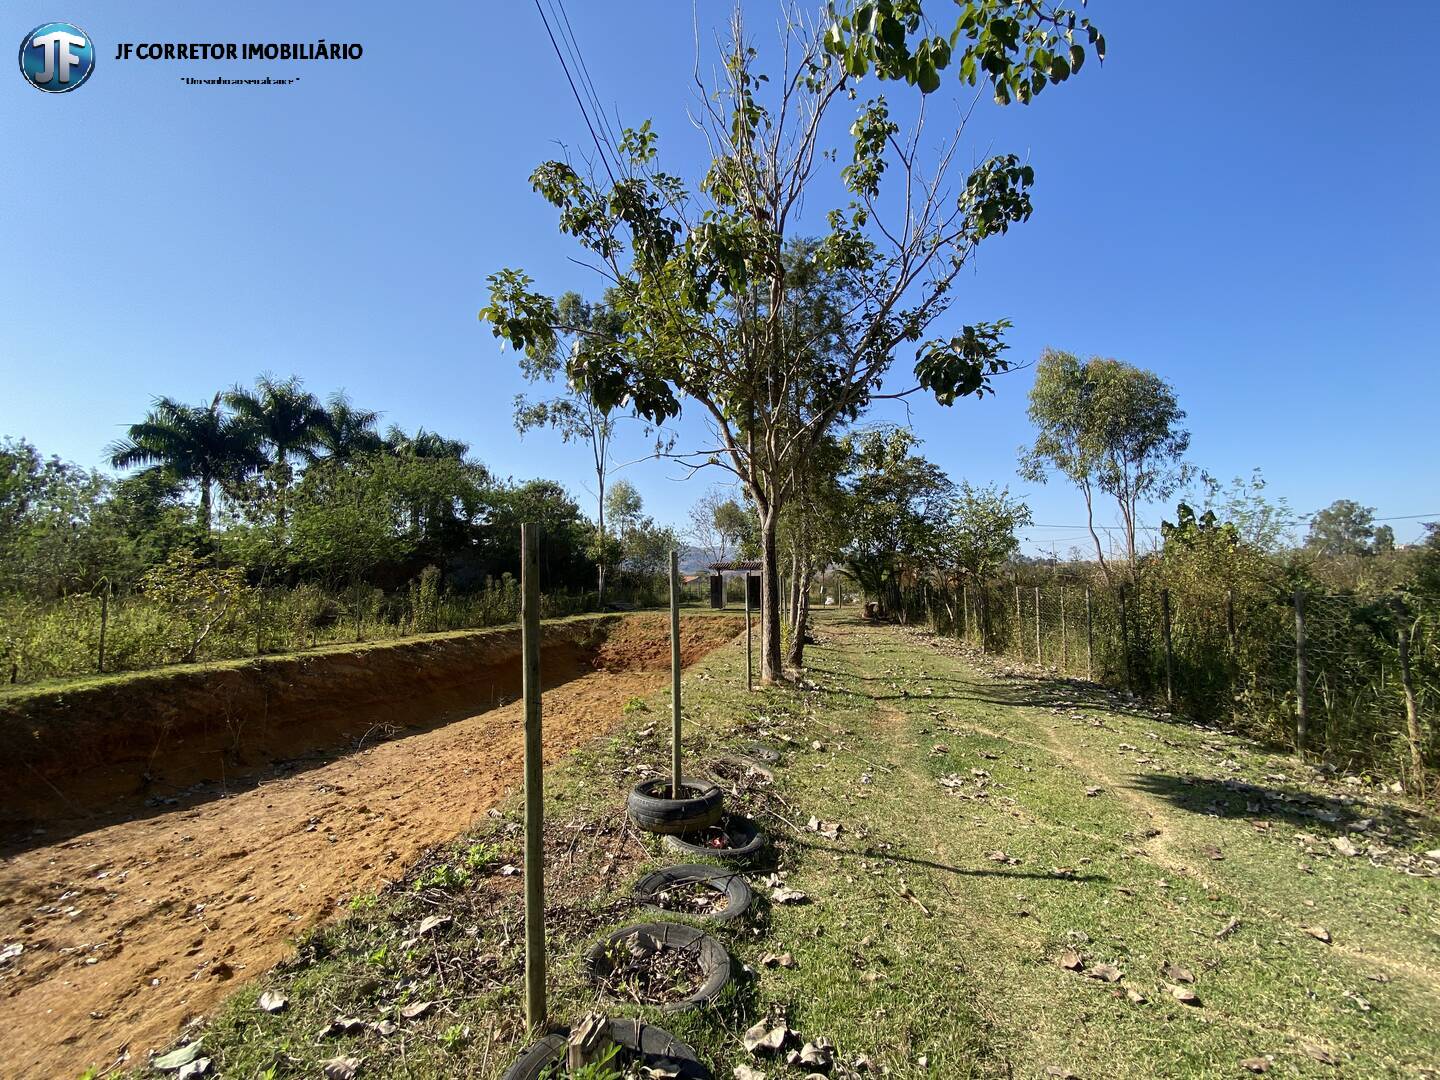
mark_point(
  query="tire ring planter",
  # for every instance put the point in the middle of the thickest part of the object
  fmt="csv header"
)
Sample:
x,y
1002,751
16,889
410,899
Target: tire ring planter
x,y
712,957
726,883
652,810
733,839
650,1044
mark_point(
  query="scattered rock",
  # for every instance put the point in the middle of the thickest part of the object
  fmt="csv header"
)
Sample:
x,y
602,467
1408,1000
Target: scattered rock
x,y
1185,995
177,1059
1319,933
272,1001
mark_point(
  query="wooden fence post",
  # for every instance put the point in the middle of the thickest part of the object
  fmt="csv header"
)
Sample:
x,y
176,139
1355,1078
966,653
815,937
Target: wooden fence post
x,y
535,1015
965,612
1230,621
1125,642
1302,677
1064,639
1089,638
675,671
1412,710
749,660
104,618
1169,650
1039,653
1019,625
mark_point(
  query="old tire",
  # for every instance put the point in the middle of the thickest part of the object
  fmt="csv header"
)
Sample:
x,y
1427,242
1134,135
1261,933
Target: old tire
x,y
713,958
652,810
728,883
650,1043
742,841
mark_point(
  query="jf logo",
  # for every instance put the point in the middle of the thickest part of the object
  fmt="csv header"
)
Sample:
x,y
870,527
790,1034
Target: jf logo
x,y
56,57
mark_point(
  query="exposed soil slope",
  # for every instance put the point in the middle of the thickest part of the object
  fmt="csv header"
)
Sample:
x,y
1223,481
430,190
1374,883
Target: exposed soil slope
x,y
134,927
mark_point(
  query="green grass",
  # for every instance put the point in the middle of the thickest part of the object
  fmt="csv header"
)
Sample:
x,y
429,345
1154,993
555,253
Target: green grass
x,y
930,941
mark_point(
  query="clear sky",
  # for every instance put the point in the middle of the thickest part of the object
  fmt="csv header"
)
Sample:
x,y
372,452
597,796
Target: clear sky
x,y
1244,198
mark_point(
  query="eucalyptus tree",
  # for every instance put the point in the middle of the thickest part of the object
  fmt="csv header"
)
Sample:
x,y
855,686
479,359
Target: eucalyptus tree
x,y
1111,428
697,272
199,445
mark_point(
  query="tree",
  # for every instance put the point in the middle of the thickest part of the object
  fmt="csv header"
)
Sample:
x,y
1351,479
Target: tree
x,y
983,531
1263,523
284,416
192,444
1344,529
896,505
345,432
1108,427
575,414
814,528
700,274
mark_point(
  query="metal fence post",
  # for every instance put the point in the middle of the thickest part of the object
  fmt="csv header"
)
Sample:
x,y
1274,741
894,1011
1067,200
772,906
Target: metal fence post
x,y
1169,650
1302,678
535,1015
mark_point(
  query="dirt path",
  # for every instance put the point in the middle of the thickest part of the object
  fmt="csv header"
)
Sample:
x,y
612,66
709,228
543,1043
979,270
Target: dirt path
x,y
131,930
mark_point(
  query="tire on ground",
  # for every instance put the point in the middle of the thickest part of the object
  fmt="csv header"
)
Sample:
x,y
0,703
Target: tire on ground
x,y
652,811
712,956
744,841
653,1045
728,883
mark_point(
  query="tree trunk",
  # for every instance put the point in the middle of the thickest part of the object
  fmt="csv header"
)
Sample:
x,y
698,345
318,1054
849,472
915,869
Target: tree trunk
x,y
796,658
771,670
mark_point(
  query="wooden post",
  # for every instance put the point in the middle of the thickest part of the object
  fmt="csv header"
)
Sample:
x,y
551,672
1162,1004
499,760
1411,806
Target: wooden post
x,y
749,661
1019,624
1125,642
965,612
1230,620
1089,638
535,1015
1039,655
1064,639
1302,678
1412,710
1169,650
104,618
675,671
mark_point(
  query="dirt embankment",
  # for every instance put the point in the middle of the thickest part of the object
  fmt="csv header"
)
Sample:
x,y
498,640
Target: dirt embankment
x,y
70,751
135,915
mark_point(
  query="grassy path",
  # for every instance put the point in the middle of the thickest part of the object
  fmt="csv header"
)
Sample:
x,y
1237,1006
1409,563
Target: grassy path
x,y
988,823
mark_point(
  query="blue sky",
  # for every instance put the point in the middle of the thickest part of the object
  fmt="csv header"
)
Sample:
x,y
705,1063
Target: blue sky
x,y
1243,198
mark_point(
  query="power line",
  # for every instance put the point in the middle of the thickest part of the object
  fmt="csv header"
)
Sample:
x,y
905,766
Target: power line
x,y
578,101
579,55
1291,521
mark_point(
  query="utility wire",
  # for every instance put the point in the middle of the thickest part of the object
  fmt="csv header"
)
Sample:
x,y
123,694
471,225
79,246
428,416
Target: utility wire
x,y
578,100
579,56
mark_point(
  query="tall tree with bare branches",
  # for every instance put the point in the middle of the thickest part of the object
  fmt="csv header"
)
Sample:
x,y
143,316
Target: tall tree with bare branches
x,y
705,278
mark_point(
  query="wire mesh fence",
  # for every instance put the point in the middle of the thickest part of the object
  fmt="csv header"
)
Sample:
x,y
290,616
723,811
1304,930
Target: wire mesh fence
x,y
1313,670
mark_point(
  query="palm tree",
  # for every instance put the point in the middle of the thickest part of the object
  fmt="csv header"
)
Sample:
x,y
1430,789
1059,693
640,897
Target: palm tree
x,y
285,416
424,444
192,444
347,432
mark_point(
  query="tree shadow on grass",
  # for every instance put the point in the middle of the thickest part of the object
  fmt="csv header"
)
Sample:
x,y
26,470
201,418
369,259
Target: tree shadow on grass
x,y
1319,813
964,871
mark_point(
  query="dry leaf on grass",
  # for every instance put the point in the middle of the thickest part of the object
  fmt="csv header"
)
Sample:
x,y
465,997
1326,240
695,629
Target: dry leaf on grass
x,y
1318,1053
767,1038
1070,960
340,1068
1106,972
416,1009
1184,995
1176,973
1255,1064
783,894
1319,933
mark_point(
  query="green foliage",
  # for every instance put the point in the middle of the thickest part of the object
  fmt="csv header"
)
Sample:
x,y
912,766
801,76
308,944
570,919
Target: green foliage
x,y
1108,427
1018,46
983,531
194,598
